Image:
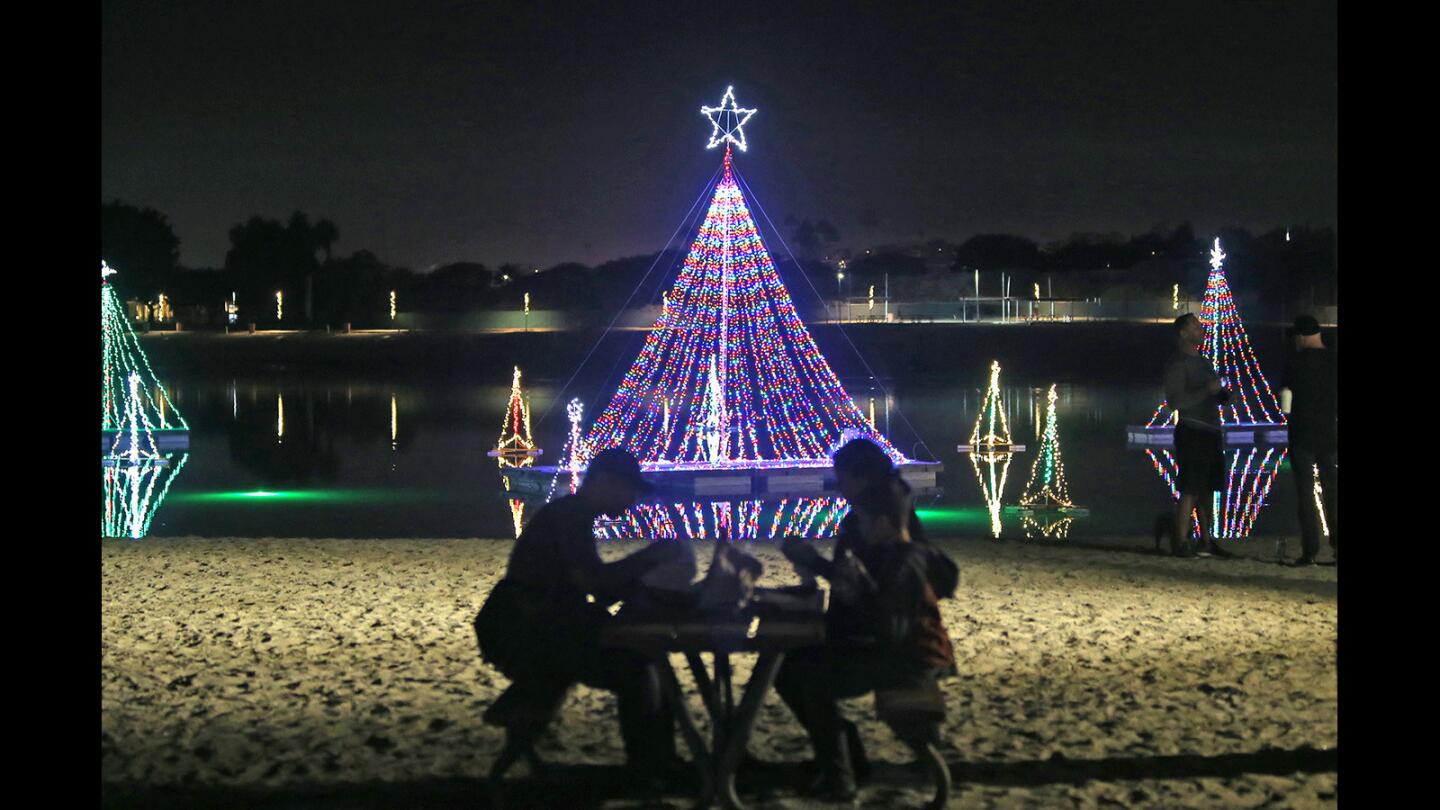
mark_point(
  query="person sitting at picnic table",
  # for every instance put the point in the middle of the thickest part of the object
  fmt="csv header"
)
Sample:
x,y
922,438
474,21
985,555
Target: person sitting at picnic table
x,y
542,621
888,587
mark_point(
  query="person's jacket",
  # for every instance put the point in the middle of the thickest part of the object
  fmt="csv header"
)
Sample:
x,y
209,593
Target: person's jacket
x,y
900,585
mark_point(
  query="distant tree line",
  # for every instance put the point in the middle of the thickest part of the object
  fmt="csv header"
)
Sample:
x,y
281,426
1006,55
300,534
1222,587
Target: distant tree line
x,y
296,258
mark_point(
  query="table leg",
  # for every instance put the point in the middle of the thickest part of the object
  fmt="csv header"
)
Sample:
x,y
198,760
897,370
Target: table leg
x,y
704,762
723,688
706,686
738,733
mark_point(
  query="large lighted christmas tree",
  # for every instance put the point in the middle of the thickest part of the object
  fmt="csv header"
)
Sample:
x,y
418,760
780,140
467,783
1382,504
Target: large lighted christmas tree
x,y
133,403
1227,346
729,376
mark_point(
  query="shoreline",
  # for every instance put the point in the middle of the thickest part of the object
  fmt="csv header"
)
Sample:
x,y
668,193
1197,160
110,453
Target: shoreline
x,y
330,673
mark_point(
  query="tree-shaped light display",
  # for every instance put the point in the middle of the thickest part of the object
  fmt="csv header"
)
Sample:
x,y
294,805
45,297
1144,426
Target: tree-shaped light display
x,y
1227,346
515,447
729,361
1251,471
992,429
134,407
1047,488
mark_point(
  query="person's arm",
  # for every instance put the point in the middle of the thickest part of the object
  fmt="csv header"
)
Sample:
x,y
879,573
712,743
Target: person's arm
x,y
606,580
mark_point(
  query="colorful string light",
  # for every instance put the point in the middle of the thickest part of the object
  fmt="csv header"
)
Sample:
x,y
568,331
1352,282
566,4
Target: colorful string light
x,y
1047,488
131,493
1251,472
814,518
133,403
1227,346
515,447
745,383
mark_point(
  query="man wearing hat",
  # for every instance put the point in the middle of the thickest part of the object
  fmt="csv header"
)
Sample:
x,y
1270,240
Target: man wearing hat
x,y
1309,397
542,621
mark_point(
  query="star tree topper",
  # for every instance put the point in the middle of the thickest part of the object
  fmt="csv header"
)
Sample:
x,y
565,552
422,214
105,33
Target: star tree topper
x,y
728,121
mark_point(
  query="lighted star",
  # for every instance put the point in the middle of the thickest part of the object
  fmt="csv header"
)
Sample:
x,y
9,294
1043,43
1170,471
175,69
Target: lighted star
x,y
106,270
1217,256
728,121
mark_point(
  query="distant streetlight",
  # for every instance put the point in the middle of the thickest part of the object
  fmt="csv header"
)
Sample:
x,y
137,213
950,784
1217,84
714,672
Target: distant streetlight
x,y
279,305
392,305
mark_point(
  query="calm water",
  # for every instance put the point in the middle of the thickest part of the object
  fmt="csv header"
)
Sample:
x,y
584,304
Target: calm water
x,y
289,456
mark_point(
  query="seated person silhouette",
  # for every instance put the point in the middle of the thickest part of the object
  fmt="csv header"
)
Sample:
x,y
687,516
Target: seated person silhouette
x,y
542,621
887,587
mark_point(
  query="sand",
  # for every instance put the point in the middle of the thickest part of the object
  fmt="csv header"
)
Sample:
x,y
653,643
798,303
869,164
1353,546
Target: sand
x,y
344,673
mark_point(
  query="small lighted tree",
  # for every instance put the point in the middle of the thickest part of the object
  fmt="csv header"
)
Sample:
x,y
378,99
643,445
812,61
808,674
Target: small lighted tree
x,y
1047,487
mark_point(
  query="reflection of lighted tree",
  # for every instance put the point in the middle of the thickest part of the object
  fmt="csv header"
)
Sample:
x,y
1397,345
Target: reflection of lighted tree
x,y
992,482
728,520
517,507
131,493
1047,525
1252,470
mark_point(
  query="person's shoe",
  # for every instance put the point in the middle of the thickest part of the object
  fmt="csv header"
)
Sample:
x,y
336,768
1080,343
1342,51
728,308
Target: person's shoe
x,y
1202,551
1221,552
833,788
1185,553
1304,561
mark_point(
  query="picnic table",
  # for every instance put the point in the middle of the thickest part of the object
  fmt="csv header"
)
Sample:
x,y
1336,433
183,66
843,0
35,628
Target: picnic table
x,y
773,621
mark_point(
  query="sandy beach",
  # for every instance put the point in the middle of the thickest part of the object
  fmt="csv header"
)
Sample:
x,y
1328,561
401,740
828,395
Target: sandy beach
x,y
344,673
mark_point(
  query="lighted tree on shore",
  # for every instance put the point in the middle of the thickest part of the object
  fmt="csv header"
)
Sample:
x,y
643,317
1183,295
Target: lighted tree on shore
x,y
1227,346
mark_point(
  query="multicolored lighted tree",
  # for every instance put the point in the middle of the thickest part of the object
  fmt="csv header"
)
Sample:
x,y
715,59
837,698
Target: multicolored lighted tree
x,y
515,447
133,403
1228,348
729,376
1047,488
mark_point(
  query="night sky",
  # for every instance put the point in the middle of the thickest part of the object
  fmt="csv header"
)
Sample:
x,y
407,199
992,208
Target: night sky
x,y
527,132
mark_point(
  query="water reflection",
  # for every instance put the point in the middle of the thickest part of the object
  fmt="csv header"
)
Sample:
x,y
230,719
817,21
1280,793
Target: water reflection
x,y
1047,525
1250,473
132,491
290,435
992,469
814,518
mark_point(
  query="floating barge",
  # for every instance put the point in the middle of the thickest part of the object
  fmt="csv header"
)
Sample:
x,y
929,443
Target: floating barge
x,y
755,480
164,439
1241,433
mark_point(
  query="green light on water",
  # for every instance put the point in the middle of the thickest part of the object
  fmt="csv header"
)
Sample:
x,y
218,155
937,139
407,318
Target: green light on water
x,y
955,517
310,496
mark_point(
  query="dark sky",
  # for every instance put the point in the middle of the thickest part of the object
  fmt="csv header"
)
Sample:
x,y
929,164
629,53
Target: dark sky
x,y
536,133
